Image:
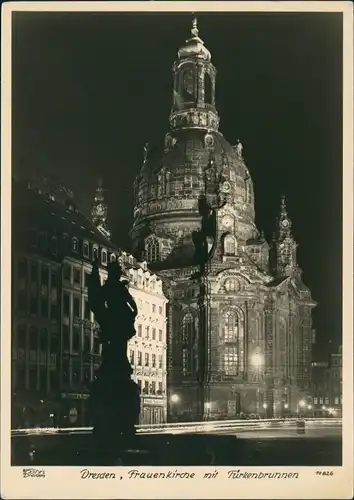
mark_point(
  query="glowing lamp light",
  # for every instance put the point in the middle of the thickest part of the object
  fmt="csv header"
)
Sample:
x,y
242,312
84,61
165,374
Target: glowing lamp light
x,y
286,406
208,406
323,407
257,359
174,398
265,406
302,403
309,407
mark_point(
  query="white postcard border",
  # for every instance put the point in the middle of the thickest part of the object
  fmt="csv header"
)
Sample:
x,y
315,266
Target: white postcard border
x,y
65,482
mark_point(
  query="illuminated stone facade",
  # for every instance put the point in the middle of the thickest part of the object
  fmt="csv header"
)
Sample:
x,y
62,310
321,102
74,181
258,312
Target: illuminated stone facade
x,y
55,339
258,341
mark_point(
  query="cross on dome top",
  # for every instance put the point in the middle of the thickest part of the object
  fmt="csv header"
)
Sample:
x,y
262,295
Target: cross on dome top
x,y
194,30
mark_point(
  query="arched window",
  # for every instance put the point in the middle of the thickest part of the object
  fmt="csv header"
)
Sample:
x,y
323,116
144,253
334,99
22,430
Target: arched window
x,y
231,327
153,250
188,344
188,85
163,180
86,250
94,253
229,245
233,347
207,89
232,285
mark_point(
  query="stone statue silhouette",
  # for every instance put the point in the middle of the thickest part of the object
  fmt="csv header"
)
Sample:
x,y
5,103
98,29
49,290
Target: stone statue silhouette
x,y
115,397
115,310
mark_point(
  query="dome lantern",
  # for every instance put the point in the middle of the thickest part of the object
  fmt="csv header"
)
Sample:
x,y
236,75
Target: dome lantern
x,y
194,75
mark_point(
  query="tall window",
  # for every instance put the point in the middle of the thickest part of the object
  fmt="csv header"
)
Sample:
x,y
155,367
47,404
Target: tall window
x,y
77,275
66,337
188,339
188,85
153,250
86,250
75,245
229,245
76,307
66,272
231,361
87,310
207,89
231,327
233,348
66,304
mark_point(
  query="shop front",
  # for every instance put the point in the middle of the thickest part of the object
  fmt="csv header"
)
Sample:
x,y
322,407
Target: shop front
x,y
31,409
74,411
153,411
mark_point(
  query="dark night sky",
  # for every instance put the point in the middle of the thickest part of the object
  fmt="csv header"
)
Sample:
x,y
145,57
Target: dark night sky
x,y
89,89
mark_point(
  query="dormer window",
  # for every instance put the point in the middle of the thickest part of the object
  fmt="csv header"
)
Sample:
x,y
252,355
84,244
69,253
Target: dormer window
x,y
104,257
94,253
86,250
75,245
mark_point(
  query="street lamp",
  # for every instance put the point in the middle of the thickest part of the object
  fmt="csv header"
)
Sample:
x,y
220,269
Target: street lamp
x,y
257,360
286,406
174,398
301,404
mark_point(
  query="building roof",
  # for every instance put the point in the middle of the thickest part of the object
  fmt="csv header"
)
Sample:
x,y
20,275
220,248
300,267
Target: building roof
x,y
34,210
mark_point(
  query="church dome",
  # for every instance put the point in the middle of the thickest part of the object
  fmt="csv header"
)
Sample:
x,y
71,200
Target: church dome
x,y
172,177
193,161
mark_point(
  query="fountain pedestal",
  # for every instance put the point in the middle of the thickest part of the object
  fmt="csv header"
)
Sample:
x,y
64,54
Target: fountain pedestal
x,y
114,402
